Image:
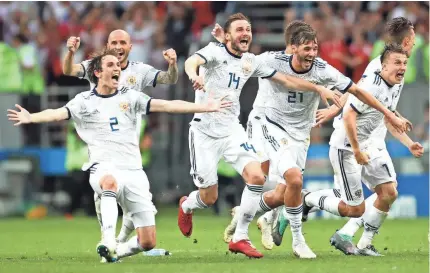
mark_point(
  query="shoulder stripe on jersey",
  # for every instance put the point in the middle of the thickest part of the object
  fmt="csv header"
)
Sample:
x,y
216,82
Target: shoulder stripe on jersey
x,y
203,57
377,80
124,90
283,58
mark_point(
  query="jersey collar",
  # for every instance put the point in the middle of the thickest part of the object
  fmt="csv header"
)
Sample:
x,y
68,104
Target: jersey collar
x,y
297,72
379,74
231,53
104,96
122,69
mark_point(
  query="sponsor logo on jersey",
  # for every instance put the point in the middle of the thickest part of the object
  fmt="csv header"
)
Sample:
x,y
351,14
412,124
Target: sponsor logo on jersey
x,y
124,106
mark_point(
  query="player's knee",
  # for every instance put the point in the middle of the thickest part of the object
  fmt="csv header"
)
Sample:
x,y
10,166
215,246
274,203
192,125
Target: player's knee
x,y
253,174
389,196
108,182
294,178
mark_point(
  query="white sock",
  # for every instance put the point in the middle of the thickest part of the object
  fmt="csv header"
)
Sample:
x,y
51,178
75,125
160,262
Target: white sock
x,y
270,216
126,229
97,202
373,219
354,224
328,193
294,215
109,214
193,202
327,203
248,207
128,248
263,207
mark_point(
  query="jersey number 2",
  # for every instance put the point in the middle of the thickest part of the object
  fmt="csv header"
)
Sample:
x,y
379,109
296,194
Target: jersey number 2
x,y
113,122
233,79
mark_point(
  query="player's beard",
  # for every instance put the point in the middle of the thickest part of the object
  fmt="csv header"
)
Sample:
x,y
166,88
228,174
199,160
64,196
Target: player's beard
x,y
236,46
303,61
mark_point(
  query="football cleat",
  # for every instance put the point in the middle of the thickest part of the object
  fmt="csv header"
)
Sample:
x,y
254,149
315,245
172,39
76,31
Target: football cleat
x,y
369,250
185,220
306,208
302,251
279,226
244,247
230,229
343,243
266,234
108,253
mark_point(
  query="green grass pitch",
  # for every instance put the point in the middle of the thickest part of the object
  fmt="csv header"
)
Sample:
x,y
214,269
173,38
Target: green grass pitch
x,y
59,245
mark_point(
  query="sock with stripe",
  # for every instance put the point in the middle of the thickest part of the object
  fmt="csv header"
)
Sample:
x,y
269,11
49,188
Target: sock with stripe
x,y
323,202
373,219
129,248
248,207
263,207
126,229
109,213
294,215
328,193
354,224
193,202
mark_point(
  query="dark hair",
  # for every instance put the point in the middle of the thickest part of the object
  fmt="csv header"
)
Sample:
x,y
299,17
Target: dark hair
x,y
301,37
96,63
292,28
391,48
397,29
234,17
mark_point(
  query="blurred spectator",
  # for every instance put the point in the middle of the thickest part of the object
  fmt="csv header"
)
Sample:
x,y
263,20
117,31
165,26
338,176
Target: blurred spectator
x,y
33,85
141,30
359,53
145,144
9,67
333,49
422,133
178,26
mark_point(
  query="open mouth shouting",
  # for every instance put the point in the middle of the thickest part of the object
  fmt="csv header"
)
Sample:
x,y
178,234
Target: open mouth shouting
x,y
400,75
115,78
244,41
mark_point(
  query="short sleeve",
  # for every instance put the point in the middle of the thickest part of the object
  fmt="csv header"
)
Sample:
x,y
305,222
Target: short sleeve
x,y
76,108
149,76
374,66
367,86
84,74
262,70
333,78
209,54
143,103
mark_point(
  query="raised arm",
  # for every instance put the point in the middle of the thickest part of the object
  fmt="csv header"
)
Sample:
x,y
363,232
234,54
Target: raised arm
x,y
69,68
370,100
24,117
294,83
350,121
326,114
191,66
171,75
414,147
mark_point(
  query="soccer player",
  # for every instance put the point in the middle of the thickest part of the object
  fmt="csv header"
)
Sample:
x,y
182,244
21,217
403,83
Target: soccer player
x,y
254,130
290,115
399,30
134,75
355,157
225,69
105,118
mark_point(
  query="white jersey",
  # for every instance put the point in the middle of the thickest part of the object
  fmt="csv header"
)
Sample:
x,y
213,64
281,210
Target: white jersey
x,y
378,135
368,118
292,110
224,75
136,75
107,124
263,93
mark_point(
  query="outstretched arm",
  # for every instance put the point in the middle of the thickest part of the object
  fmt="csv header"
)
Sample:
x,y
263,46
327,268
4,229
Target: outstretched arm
x,y
326,114
180,106
414,147
350,121
294,83
171,75
370,100
24,117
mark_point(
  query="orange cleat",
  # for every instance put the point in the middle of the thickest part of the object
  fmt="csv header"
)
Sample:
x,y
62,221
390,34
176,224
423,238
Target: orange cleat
x,y
244,247
185,220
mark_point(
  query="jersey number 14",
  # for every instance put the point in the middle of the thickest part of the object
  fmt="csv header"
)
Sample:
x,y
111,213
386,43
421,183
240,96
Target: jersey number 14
x,y
233,80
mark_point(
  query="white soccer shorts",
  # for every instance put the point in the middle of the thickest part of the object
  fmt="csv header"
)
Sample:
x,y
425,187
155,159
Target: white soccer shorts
x,y
284,152
206,152
350,174
254,129
133,193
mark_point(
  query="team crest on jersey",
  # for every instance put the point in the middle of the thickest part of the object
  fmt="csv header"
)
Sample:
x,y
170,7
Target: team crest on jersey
x,y
124,106
247,66
131,80
358,193
284,141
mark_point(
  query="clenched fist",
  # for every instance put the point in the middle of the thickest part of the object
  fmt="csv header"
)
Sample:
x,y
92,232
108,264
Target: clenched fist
x,y
73,43
170,56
